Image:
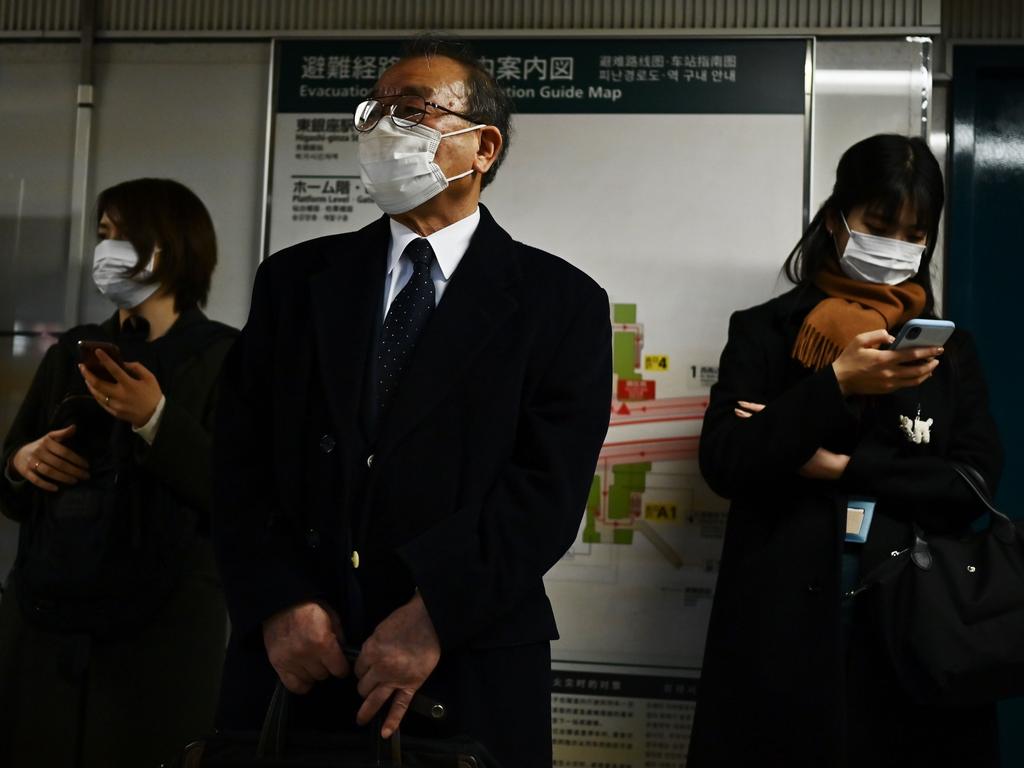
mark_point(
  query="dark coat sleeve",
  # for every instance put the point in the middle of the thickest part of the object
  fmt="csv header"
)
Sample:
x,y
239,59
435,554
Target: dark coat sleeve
x,y
30,424
478,564
181,453
928,486
738,455
262,570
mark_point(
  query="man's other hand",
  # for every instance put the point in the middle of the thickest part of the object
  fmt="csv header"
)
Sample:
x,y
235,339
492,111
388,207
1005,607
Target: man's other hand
x,y
304,645
397,659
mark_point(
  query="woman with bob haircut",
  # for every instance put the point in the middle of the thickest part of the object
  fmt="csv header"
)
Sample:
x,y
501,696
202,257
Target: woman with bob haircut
x,y
807,422
112,623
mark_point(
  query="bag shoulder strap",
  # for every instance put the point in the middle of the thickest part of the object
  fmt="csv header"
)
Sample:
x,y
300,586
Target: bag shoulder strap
x,y
1002,526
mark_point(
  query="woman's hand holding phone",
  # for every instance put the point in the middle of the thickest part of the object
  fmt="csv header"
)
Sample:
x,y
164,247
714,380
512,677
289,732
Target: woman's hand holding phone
x,y
865,369
132,396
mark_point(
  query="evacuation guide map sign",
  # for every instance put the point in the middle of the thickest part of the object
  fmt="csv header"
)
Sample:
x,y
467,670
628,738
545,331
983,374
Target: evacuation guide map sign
x,y
671,171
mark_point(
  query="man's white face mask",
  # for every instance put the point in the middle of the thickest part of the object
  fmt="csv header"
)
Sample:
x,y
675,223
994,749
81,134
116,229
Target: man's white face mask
x,y
397,164
876,259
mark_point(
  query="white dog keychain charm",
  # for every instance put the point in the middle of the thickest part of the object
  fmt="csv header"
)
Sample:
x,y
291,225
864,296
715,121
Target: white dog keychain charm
x,y
917,431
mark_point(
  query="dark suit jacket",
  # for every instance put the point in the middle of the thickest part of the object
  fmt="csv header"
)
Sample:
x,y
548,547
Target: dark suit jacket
x,y
470,489
777,687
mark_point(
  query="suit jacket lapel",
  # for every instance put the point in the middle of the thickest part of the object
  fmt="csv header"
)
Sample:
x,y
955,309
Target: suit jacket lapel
x,y
346,302
478,299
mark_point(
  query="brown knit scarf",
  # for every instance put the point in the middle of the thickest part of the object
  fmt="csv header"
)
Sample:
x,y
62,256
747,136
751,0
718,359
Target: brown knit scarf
x,y
853,307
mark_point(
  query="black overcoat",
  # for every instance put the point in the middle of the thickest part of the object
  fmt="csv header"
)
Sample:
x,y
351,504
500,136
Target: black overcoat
x,y
136,698
778,686
471,487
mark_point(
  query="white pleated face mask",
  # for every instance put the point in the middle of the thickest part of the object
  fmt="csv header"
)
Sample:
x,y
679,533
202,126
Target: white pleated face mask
x,y
111,260
397,164
876,259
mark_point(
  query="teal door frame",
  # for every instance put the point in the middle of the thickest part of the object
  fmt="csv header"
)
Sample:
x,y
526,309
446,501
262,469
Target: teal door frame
x,y
984,275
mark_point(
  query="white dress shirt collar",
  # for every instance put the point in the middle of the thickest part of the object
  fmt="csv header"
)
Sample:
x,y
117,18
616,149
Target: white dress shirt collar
x,y
450,244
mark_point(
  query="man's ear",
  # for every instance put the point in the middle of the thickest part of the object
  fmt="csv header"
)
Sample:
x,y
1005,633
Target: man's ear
x,y
490,147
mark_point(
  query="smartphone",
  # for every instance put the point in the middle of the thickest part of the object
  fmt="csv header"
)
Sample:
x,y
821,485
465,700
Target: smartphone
x,y
923,333
87,356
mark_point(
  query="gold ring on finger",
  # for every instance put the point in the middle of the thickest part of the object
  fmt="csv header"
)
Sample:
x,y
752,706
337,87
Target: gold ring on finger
x,y
107,400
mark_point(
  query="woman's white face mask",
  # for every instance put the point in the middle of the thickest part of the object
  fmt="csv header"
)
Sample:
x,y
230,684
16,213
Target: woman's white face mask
x,y
112,259
877,259
397,164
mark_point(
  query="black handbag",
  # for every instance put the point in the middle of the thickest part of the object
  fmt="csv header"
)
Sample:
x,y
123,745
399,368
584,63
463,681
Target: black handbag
x,y
950,611
278,746
101,556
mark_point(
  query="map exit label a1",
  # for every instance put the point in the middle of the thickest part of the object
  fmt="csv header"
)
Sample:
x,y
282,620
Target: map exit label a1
x,y
656,362
661,512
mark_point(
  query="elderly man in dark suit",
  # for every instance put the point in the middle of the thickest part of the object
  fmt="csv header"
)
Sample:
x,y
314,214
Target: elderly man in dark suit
x,y
407,436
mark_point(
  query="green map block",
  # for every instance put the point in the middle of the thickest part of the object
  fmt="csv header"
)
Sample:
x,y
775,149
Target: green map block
x,y
594,497
618,502
624,355
590,533
623,536
633,475
623,313
629,479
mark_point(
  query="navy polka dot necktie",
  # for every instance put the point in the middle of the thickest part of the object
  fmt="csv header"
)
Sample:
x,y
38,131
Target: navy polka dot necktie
x,y
405,321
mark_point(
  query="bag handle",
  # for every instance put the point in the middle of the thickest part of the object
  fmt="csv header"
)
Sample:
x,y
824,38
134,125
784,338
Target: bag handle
x,y
272,735
271,742
1000,525
272,739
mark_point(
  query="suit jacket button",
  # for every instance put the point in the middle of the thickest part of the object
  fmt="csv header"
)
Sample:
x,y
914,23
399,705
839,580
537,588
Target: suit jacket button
x,y
313,538
327,443
369,460
355,558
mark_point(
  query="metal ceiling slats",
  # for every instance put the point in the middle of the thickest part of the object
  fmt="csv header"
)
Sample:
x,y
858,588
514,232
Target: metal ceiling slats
x,y
962,19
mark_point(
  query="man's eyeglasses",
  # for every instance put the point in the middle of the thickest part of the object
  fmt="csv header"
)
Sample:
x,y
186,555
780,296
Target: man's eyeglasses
x,y
404,111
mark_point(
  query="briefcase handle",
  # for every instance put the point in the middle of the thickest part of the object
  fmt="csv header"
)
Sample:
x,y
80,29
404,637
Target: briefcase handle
x,y
272,734
271,742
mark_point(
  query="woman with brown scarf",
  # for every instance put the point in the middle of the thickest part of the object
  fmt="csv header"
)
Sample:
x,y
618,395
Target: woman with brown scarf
x,y
804,423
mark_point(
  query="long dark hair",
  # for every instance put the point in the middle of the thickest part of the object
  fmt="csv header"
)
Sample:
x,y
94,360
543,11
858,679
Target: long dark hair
x,y
882,172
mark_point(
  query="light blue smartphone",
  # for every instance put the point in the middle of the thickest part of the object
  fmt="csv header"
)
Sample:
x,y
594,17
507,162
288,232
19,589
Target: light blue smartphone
x,y
923,333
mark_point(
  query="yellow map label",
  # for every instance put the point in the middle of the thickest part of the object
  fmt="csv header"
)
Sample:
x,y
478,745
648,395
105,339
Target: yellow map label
x,y
661,512
656,362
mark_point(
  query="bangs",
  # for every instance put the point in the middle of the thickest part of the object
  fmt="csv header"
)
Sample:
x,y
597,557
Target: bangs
x,y
893,197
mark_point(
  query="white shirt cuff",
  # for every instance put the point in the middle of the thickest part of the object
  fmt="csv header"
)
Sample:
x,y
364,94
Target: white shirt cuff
x,y
148,430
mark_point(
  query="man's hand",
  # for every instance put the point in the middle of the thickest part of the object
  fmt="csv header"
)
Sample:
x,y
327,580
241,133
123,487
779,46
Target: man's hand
x,y
47,461
824,465
864,369
132,397
304,645
397,658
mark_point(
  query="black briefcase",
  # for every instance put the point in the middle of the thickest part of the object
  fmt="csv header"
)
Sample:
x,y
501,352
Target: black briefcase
x,y
277,746
949,612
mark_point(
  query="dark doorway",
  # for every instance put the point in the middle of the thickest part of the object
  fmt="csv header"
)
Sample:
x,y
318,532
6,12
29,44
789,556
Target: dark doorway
x,y
985,269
